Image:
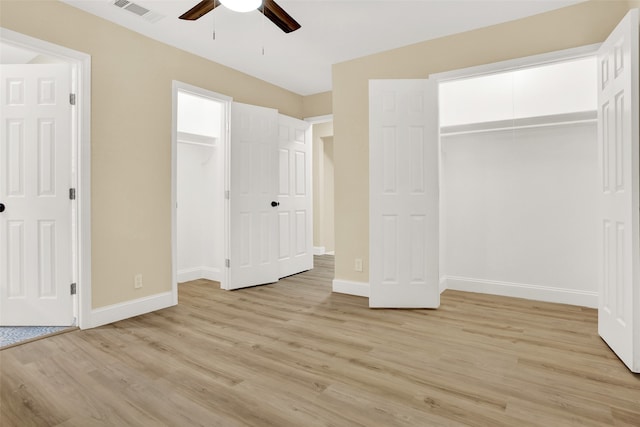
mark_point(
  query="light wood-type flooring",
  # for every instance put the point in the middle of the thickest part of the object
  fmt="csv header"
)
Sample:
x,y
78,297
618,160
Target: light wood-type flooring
x,y
295,354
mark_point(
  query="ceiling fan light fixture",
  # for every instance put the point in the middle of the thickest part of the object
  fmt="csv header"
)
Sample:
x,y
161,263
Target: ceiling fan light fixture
x,y
241,5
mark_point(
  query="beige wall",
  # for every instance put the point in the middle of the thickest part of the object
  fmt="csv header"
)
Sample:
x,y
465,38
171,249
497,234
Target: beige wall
x,y
323,224
131,137
318,104
578,25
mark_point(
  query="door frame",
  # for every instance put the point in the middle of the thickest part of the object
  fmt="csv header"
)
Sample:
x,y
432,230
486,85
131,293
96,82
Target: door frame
x,y
488,69
318,218
80,64
225,101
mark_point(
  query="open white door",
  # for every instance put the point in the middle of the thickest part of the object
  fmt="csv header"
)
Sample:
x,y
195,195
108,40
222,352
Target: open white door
x,y
618,113
403,185
253,175
36,264
295,218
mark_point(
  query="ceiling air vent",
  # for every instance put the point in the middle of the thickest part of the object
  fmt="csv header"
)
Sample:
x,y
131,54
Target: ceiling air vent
x,y
138,10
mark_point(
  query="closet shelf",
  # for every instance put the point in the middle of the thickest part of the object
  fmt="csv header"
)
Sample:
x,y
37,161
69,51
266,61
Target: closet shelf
x,y
200,144
195,139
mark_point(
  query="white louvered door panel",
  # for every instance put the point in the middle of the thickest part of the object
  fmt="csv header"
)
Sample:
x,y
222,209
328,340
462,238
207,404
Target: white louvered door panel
x,y
295,212
36,268
253,239
618,113
403,180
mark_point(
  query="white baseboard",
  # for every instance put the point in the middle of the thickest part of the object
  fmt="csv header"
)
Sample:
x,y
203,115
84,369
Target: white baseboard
x,y
209,273
523,290
113,313
318,250
494,287
443,284
360,289
189,274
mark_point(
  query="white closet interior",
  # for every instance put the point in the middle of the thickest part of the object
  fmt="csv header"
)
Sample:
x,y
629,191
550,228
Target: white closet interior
x,y
519,181
200,187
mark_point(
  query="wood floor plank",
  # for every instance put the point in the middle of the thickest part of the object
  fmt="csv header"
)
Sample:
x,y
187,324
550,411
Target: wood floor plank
x,y
296,354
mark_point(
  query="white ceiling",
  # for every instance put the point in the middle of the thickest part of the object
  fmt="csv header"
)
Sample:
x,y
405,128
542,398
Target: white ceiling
x,y
332,31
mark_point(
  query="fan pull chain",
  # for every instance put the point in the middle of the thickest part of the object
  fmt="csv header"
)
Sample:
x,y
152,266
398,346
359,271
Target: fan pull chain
x,y
214,27
262,29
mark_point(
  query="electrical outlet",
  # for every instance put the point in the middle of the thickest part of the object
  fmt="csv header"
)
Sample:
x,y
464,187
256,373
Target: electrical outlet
x,y
137,281
358,264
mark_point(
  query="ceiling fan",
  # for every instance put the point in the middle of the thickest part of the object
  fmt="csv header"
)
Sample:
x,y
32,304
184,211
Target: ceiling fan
x,y
269,8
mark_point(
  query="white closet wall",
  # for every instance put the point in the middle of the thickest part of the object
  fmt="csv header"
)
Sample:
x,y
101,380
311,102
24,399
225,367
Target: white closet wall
x,y
200,189
519,161
560,88
520,212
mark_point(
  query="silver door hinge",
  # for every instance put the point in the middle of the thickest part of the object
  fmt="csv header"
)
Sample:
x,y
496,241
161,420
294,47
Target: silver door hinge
x,y
72,194
72,98
74,289
227,263
227,194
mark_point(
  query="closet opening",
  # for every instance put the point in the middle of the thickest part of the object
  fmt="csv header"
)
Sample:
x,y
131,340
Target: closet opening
x,y
519,174
200,179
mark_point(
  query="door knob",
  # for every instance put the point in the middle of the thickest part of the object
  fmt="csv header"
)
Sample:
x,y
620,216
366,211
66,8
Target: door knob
x,y
274,204
1,207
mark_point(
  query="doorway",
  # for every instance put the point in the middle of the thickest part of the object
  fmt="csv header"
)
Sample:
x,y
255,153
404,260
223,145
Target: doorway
x,y
244,207
47,158
519,172
323,186
200,187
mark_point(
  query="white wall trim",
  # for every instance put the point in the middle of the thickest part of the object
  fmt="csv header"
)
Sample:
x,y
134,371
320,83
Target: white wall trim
x,y
80,64
208,273
492,287
443,284
319,250
360,289
113,313
523,290
319,119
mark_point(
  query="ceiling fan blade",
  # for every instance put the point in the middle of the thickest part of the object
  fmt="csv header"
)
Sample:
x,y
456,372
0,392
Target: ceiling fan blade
x,y
278,16
202,8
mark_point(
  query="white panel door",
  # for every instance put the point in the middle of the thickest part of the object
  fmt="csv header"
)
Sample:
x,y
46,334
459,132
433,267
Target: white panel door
x,y
618,112
403,185
36,268
253,175
295,220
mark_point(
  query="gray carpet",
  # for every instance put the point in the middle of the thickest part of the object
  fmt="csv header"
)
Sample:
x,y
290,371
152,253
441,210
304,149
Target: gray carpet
x,y
14,334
